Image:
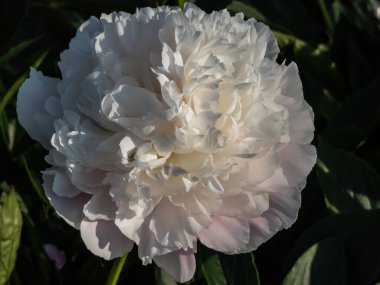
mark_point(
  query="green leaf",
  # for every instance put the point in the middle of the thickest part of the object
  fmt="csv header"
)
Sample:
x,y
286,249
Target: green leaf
x,y
313,60
323,263
362,111
347,182
359,232
287,15
33,180
10,232
239,269
326,17
220,269
7,130
248,10
164,278
16,50
211,267
17,84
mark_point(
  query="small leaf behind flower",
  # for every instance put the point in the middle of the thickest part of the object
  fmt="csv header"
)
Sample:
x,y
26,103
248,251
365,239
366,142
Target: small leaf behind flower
x,y
238,269
347,182
359,232
323,263
10,232
16,85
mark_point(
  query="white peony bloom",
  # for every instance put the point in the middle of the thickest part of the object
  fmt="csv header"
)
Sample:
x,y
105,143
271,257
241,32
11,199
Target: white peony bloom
x,y
170,127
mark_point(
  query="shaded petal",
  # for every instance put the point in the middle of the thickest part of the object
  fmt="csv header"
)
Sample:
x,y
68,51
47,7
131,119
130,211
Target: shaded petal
x,y
262,229
100,207
180,264
225,234
282,212
104,239
195,202
37,91
244,204
301,119
70,209
174,227
168,228
131,215
63,187
297,161
290,82
261,168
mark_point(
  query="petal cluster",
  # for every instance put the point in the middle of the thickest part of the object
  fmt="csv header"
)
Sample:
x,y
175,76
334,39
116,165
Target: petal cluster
x,y
170,127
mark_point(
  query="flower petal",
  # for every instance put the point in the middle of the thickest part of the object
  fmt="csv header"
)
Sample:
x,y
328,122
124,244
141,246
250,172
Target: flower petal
x,y
297,161
70,209
180,264
34,93
104,239
100,207
63,187
168,218
225,234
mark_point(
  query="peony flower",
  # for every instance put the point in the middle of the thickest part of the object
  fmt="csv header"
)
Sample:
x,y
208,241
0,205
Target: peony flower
x,y
170,128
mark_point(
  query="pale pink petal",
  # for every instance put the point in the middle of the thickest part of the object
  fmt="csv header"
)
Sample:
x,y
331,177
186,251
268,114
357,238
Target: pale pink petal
x,y
228,235
301,119
262,229
301,123
285,206
245,204
180,264
104,239
290,83
283,212
297,161
261,168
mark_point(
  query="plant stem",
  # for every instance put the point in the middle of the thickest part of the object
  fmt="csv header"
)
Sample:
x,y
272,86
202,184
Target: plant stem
x,y
117,266
326,17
